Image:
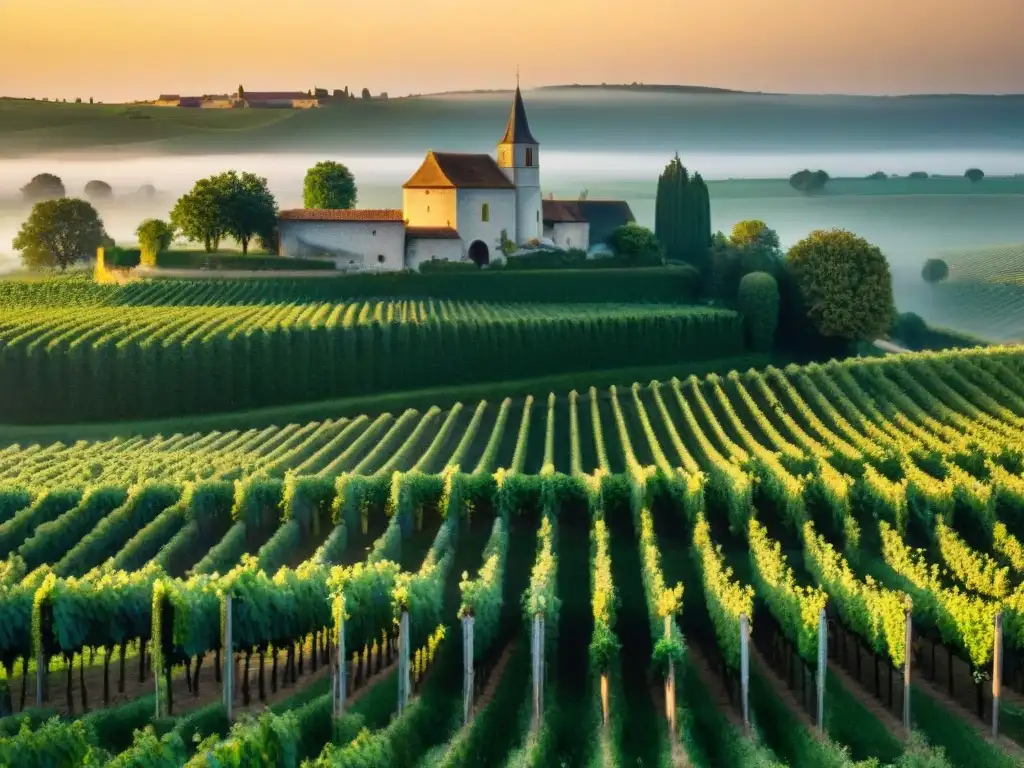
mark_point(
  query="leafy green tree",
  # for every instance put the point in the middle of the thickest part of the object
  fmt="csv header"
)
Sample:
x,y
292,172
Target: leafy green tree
x,y
58,233
809,181
251,211
201,214
758,300
974,174
909,328
878,176
845,284
155,237
45,186
329,185
934,271
682,215
98,190
752,247
636,244
228,204
754,233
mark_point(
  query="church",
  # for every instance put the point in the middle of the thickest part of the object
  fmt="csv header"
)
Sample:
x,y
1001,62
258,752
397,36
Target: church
x,y
457,207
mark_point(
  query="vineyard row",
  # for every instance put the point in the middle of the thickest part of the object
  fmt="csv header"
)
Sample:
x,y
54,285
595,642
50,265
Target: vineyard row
x,y
113,363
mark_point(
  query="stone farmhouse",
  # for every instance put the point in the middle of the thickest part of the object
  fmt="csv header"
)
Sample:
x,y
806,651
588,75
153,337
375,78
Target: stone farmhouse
x,y
456,207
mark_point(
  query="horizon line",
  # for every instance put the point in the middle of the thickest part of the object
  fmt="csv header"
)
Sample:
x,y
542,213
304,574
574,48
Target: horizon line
x,y
665,87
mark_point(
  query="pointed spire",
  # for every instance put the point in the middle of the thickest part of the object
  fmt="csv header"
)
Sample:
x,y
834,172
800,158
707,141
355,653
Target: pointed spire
x,y
518,129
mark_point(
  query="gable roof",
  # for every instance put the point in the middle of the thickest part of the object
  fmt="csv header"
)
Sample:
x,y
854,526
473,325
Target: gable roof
x,y
342,214
561,212
454,170
604,216
518,129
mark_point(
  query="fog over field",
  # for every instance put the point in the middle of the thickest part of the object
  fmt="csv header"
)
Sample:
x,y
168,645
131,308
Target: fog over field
x,y
612,147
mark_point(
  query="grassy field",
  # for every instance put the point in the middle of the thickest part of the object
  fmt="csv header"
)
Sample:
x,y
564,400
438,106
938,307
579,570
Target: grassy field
x,y
983,295
769,493
561,120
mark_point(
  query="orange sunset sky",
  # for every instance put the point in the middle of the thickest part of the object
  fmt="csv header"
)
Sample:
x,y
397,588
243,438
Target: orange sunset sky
x,y
134,49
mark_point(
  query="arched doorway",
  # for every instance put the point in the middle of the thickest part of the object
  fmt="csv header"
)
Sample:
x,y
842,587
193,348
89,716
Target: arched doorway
x,y
479,253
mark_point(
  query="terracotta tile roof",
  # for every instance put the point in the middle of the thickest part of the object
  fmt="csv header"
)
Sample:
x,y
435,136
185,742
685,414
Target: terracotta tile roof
x,y
561,212
335,214
518,129
432,233
452,170
275,95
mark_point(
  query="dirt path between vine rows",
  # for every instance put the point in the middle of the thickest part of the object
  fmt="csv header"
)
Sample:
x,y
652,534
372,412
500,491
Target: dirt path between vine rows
x,y
778,685
955,710
713,685
884,715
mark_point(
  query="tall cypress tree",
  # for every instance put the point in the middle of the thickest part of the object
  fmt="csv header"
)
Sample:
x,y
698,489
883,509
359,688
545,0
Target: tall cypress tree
x,y
682,214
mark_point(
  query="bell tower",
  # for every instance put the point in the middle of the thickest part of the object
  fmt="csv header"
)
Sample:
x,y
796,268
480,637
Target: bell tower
x,y
519,158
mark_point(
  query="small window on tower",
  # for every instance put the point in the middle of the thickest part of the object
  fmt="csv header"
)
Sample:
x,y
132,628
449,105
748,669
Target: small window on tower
x,y
485,212
529,157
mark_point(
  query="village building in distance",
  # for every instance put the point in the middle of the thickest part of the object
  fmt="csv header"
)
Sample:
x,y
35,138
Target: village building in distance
x,y
243,99
455,207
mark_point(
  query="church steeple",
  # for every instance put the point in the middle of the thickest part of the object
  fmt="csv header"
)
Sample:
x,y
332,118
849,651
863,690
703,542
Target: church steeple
x,y
518,129
519,159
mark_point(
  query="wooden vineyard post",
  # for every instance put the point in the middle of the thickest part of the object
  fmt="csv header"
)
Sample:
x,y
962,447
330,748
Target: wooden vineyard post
x,y
403,662
822,667
339,688
41,670
229,658
467,668
156,679
997,672
537,650
605,699
745,670
907,654
670,684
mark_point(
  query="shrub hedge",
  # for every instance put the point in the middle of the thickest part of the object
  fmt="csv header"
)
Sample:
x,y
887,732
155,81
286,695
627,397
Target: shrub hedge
x,y
221,261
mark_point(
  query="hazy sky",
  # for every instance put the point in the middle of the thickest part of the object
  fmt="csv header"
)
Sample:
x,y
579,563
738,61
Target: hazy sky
x,y
135,49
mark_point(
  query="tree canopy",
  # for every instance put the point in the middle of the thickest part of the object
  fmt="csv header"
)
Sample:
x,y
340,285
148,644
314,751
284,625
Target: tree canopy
x,y
809,181
228,204
974,174
753,246
45,186
251,209
758,300
329,185
637,244
754,233
60,232
934,271
98,190
682,215
845,284
155,237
